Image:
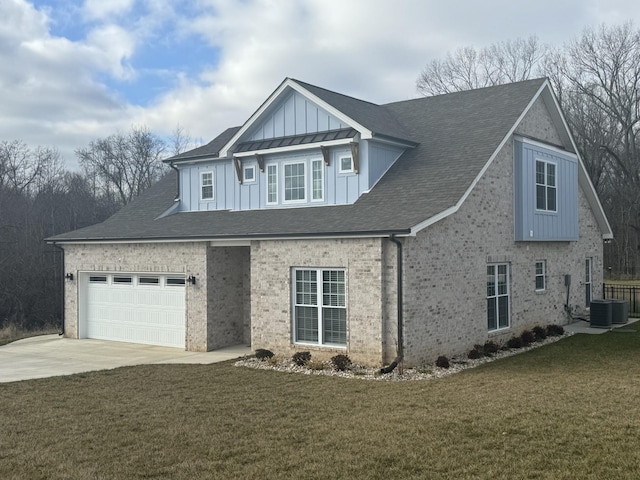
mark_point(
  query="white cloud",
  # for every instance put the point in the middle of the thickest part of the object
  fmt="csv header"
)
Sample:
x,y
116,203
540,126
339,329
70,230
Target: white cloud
x,y
101,9
64,92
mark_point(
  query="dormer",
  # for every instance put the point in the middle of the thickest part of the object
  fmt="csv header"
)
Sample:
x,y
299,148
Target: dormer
x,y
305,146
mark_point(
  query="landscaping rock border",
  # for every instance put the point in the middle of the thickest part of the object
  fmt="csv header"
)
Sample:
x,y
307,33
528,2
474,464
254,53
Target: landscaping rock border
x,y
398,375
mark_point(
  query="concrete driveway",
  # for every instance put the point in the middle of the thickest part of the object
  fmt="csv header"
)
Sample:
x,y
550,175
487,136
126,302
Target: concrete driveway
x,y
52,355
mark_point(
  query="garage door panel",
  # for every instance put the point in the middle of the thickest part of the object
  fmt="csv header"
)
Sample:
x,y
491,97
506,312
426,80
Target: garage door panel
x,y
139,313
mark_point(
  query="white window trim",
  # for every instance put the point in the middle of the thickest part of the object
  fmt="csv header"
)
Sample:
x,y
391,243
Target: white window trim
x,y
340,170
508,295
244,174
545,185
213,189
588,283
319,305
305,165
267,167
311,162
543,275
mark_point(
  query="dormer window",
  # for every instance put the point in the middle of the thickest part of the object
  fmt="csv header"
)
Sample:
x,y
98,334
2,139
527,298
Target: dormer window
x,y
294,182
249,174
346,164
546,186
206,186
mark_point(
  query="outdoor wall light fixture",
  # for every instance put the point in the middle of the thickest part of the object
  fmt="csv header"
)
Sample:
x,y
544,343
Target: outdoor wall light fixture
x,y
191,279
69,276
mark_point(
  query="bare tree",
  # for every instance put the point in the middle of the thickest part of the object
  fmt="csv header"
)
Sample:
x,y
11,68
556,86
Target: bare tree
x,y
19,167
124,164
597,80
181,140
468,68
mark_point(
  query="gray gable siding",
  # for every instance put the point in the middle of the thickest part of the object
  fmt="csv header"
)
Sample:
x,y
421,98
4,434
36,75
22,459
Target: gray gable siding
x,y
530,223
380,157
295,115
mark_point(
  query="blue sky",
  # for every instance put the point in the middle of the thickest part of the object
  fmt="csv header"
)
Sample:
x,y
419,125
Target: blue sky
x,y
75,70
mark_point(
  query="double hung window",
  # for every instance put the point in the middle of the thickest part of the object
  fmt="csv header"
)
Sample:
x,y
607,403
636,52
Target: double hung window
x,y
497,296
319,306
272,184
546,192
206,186
294,182
541,275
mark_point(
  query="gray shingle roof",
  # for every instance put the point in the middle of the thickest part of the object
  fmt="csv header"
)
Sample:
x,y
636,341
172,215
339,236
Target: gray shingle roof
x,y
211,149
455,134
377,118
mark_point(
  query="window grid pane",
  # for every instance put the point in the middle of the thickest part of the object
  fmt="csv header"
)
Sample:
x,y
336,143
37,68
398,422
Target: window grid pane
x,y
317,180
306,287
272,184
294,182
334,321
306,324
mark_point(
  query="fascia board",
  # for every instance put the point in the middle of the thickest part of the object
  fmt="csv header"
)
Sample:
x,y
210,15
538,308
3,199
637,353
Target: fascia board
x,y
289,83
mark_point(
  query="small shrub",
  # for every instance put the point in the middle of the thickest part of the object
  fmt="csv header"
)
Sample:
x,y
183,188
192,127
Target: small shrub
x,y
274,361
527,337
301,358
514,342
540,333
442,362
474,354
555,330
340,362
263,354
315,365
490,348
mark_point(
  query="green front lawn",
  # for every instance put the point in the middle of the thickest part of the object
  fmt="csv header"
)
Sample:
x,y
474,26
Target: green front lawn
x,y
568,410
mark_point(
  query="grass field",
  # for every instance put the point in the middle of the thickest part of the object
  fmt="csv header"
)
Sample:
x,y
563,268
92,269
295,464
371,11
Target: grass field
x,y
568,410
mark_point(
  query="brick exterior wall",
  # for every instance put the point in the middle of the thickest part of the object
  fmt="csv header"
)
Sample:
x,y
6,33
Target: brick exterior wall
x,y
271,316
228,294
445,264
217,314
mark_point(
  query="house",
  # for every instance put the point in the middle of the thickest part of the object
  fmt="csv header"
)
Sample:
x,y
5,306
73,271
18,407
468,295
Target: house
x,y
334,225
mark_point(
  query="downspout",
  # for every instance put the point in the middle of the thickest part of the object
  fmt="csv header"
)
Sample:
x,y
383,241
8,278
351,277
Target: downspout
x,y
177,180
62,286
400,350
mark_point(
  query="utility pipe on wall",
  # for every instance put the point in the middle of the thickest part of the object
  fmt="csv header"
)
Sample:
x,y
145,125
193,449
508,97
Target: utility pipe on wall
x,y
400,351
63,286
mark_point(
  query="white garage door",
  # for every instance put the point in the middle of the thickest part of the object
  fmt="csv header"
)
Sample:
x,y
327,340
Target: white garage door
x,y
136,308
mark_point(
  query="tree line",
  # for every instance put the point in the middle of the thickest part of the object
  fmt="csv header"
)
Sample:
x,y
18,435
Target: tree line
x,y
40,198
597,80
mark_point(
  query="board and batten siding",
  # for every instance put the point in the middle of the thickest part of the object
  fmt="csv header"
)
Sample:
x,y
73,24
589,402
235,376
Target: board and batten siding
x,y
339,188
295,115
380,159
535,225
